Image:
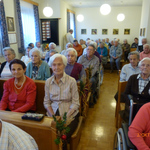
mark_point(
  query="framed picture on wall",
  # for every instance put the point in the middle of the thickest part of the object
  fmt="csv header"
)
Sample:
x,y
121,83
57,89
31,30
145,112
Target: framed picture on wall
x,y
104,31
144,31
83,31
115,31
94,31
10,24
126,31
141,32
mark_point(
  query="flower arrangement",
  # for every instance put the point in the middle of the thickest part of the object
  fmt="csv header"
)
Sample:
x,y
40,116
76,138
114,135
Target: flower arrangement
x,y
46,46
62,130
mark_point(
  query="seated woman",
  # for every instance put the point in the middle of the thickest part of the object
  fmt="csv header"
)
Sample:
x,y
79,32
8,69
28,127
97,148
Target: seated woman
x,y
102,52
20,91
138,86
26,59
37,69
9,55
68,45
61,93
74,69
139,130
146,51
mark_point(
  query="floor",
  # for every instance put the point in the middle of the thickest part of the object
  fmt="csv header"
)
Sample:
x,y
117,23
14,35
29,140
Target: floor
x,y
99,127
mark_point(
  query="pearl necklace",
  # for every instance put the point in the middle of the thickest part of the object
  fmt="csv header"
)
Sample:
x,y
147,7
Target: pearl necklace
x,y
21,84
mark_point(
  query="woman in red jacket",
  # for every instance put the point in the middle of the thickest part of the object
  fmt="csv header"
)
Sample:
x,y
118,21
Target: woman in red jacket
x,y
20,91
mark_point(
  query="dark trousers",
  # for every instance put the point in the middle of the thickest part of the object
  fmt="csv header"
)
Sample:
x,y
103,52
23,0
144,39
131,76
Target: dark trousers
x,y
73,125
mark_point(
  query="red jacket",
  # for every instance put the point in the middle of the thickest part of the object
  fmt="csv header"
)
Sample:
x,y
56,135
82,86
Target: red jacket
x,y
22,102
78,48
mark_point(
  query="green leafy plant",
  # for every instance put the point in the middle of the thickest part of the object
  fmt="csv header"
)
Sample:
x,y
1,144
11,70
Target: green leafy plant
x,y
62,129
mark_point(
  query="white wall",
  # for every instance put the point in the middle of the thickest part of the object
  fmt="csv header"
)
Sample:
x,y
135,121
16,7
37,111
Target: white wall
x,y
145,20
9,12
93,19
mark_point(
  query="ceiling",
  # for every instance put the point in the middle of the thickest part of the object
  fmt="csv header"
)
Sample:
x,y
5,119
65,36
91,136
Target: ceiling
x,y
97,3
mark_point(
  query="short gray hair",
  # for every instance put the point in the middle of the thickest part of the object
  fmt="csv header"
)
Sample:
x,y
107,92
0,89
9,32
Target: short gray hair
x,y
70,30
134,53
102,43
72,50
52,43
146,58
69,44
9,49
35,50
92,45
146,45
52,58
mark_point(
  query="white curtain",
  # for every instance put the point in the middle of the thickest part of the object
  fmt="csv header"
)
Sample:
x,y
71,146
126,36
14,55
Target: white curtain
x,y
27,15
72,23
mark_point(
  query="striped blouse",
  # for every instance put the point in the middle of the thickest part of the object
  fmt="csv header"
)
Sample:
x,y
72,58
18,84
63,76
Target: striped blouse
x,y
62,96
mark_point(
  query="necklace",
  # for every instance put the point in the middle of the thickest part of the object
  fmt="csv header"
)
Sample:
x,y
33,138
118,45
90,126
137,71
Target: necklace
x,y
21,84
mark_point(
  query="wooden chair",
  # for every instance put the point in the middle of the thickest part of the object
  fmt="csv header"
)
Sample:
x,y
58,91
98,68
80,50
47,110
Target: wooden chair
x,y
132,49
121,89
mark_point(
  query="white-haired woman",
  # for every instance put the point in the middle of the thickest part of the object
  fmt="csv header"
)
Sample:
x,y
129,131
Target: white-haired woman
x,y
61,93
37,69
73,69
9,55
146,51
52,46
138,86
68,45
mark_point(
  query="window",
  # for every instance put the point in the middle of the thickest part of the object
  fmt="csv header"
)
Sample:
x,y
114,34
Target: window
x,y
27,14
71,22
1,47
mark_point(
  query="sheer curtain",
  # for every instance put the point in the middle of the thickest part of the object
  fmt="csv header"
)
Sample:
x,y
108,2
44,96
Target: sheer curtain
x,y
27,14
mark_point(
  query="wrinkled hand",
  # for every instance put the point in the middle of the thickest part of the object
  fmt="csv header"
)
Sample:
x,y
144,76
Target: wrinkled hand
x,y
70,112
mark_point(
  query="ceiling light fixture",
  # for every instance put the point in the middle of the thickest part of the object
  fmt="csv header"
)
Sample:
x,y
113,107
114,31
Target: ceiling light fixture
x,y
120,17
80,18
48,11
105,9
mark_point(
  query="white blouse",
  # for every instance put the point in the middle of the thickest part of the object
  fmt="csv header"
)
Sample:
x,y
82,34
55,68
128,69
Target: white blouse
x,y
6,71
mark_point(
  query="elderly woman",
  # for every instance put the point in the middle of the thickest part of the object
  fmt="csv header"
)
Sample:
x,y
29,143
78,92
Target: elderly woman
x,y
138,86
126,49
9,55
26,59
20,91
51,53
146,51
102,52
61,93
139,130
37,69
52,46
73,69
68,45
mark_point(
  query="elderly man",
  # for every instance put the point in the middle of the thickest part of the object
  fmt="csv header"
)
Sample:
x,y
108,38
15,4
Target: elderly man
x,y
78,48
115,55
131,68
13,138
90,60
126,49
68,38
140,47
52,46
146,51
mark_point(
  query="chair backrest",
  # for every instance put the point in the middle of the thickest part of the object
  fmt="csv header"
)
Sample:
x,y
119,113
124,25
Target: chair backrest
x,y
121,89
132,49
40,93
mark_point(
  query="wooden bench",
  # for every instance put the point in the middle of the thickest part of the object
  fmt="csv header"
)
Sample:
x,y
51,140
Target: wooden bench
x,y
41,131
40,109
